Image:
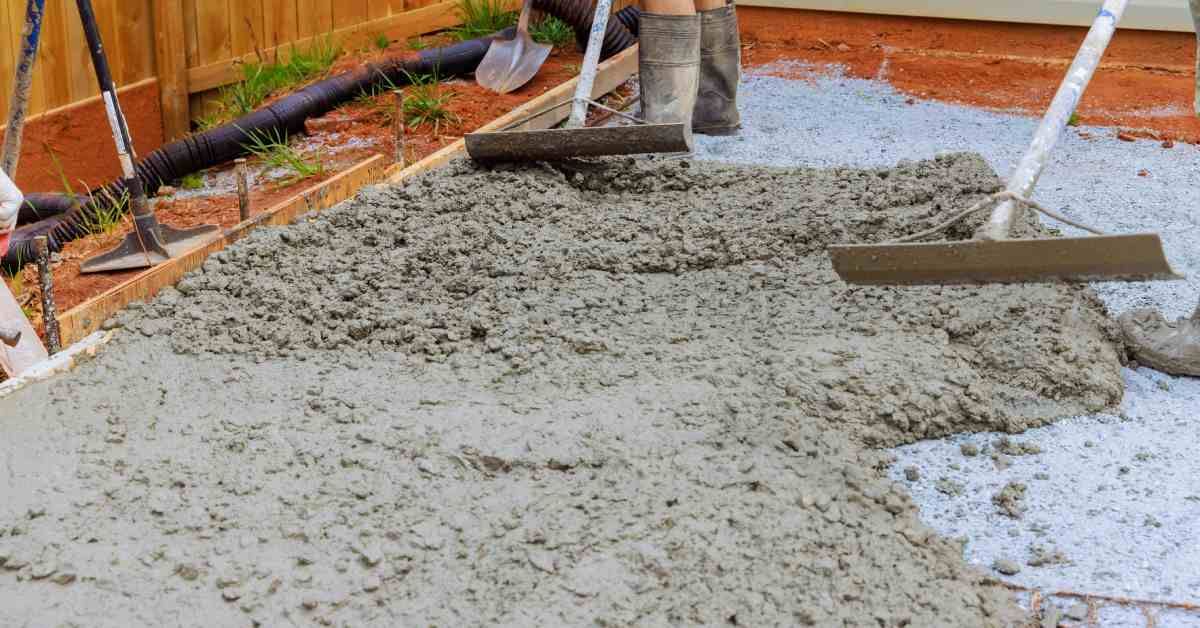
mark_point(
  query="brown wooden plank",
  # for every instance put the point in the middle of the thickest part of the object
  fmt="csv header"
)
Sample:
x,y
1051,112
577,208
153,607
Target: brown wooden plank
x,y
80,76
426,20
246,24
214,40
8,52
53,72
135,36
347,13
87,102
279,20
191,28
87,317
171,56
378,9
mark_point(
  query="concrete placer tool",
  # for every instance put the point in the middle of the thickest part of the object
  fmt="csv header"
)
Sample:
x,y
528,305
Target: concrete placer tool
x,y
574,140
150,243
510,63
993,256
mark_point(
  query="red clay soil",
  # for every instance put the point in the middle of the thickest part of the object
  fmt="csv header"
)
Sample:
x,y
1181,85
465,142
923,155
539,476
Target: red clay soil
x,y
1143,87
79,138
362,125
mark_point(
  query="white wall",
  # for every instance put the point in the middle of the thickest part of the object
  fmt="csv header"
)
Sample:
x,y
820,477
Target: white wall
x,y
1169,15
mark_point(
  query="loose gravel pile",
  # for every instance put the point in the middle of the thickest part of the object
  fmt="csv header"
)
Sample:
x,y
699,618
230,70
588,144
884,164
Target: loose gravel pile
x,y
619,392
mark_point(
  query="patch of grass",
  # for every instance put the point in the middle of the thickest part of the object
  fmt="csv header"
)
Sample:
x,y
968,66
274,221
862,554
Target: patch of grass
x,y
382,41
426,103
417,43
1074,121
105,212
273,150
553,31
193,181
261,80
482,17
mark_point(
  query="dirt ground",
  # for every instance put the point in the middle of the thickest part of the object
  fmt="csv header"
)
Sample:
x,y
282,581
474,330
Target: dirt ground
x,y
632,393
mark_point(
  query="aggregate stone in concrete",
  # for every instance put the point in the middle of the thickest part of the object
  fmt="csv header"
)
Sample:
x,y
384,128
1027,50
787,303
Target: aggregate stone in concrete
x,y
622,393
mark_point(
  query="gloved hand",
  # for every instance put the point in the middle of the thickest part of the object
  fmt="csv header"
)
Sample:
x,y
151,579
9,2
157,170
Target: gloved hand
x,y
10,202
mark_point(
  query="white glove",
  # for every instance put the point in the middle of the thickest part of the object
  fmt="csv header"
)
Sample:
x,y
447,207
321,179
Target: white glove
x,y
10,203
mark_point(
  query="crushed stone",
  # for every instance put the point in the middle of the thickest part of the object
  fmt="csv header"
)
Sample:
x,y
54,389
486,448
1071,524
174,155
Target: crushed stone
x,y
617,393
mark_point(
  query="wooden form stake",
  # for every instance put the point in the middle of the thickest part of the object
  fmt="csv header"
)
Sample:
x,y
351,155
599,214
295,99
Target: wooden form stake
x,y
41,246
398,129
243,188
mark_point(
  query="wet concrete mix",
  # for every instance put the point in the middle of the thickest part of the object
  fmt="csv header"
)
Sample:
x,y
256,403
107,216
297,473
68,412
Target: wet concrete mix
x,y
614,393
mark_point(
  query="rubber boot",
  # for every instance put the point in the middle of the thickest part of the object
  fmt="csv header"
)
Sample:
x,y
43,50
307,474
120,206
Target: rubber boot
x,y
720,65
1173,348
669,67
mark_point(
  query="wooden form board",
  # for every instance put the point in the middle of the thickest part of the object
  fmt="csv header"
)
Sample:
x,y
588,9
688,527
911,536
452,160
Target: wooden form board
x,y
87,317
1164,15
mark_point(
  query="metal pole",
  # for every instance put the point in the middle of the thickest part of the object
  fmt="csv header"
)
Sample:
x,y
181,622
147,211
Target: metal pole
x,y
41,246
591,59
243,188
1029,170
24,79
1196,21
398,128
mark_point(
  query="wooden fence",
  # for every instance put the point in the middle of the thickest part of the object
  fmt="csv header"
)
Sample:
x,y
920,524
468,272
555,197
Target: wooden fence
x,y
192,46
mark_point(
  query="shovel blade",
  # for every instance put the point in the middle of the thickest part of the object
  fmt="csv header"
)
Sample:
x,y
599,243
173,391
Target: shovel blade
x,y
511,63
136,251
554,144
1136,257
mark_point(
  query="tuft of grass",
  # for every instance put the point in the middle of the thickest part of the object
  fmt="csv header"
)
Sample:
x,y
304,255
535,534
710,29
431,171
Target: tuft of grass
x,y
553,31
1074,120
417,43
262,80
105,213
482,17
273,150
382,41
193,181
426,103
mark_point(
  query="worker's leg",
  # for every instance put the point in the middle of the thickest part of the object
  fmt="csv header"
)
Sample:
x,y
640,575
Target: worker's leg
x,y
669,60
716,110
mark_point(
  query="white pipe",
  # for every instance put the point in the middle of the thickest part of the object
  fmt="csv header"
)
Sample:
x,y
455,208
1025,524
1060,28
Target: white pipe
x,y
1029,170
10,203
591,59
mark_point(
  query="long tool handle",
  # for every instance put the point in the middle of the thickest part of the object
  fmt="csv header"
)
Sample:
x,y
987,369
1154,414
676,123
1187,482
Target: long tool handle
x,y
21,86
1029,170
591,60
1196,21
116,118
527,9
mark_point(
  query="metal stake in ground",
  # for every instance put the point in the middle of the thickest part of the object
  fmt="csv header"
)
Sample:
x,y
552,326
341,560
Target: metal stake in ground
x,y
150,243
24,79
398,129
41,246
243,187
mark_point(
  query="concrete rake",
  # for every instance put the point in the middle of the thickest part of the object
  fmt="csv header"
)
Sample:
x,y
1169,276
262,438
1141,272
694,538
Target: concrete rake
x,y
575,140
993,256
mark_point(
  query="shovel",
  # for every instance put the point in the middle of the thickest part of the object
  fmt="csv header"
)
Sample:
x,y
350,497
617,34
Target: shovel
x,y
510,63
150,243
993,256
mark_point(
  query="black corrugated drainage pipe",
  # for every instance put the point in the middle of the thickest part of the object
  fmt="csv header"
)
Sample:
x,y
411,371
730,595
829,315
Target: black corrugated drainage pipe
x,y
285,116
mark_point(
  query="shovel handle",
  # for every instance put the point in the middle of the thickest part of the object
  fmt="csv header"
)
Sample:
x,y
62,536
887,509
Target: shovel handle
x,y
591,59
527,9
1030,168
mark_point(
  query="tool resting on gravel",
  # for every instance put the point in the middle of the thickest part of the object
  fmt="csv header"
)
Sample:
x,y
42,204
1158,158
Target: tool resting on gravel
x,y
510,63
993,256
575,140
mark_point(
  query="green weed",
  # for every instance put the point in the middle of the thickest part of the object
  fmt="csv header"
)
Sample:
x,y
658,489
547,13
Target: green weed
x,y
417,43
104,213
426,103
482,17
273,150
553,31
261,80
193,181
1074,120
382,41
